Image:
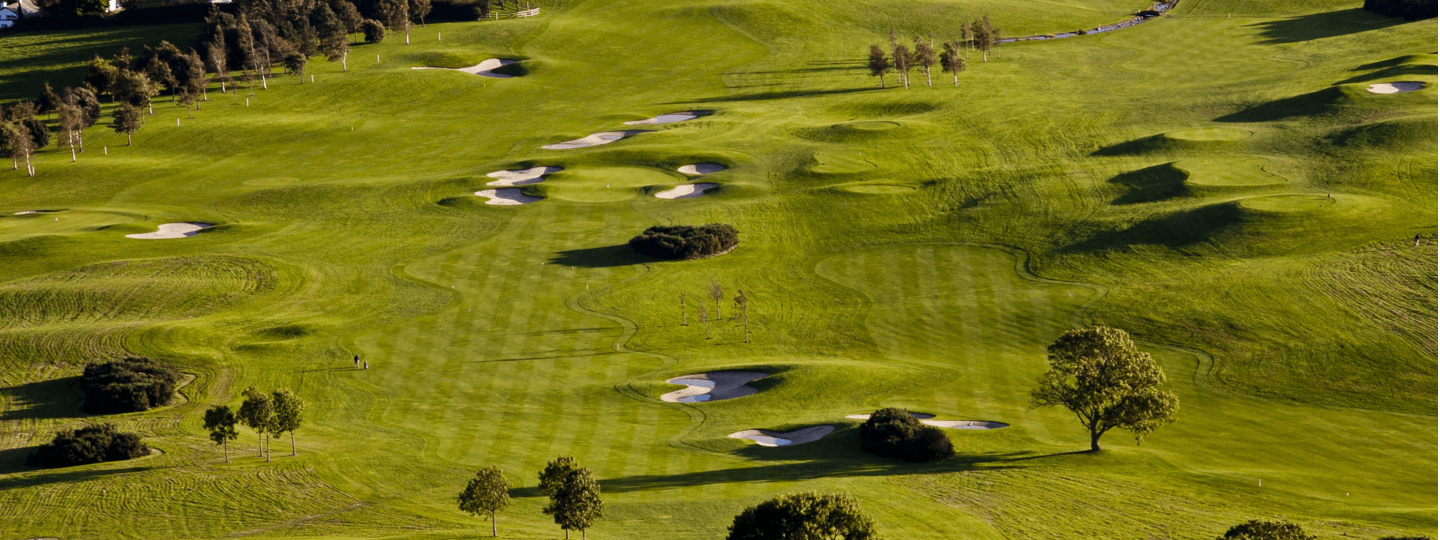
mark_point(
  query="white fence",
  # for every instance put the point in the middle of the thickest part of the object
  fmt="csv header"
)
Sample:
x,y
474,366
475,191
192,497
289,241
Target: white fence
x,y
527,13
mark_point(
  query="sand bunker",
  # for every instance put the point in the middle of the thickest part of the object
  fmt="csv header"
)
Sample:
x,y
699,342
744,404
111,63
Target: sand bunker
x,y
701,168
522,177
173,230
713,386
1395,87
483,69
685,191
28,212
765,437
668,118
506,197
594,139
948,424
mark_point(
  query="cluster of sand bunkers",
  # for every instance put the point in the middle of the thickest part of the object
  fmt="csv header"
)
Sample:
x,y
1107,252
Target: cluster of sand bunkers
x,y
505,192
723,385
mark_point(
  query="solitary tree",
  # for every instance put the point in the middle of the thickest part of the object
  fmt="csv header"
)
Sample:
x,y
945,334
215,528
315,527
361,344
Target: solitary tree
x,y
575,502
1266,530
220,422
374,31
716,294
257,412
952,62
804,516
289,414
555,471
925,57
1098,374
19,144
488,492
69,123
742,305
879,64
683,320
985,35
419,9
295,64
127,122
904,60
705,319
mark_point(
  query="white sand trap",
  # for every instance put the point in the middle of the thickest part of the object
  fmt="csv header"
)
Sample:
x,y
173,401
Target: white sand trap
x,y
701,168
965,424
1395,87
28,212
482,69
670,118
685,191
506,197
713,386
920,415
765,437
173,230
522,177
593,139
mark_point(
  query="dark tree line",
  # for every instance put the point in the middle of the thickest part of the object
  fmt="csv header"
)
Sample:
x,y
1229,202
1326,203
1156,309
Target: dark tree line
x,y
127,385
1411,10
978,34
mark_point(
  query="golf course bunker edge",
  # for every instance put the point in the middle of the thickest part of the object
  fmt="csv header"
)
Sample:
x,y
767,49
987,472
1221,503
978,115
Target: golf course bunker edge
x,y
593,139
483,69
713,386
700,168
506,197
686,191
669,118
1397,87
765,437
170,231
521,177
928,419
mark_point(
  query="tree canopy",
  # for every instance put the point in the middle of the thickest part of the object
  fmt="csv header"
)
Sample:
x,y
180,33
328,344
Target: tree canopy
x,y
575,501
220,422
804,516
1266,530
487,493
1098,374
684,242
91,444
127,385
895,433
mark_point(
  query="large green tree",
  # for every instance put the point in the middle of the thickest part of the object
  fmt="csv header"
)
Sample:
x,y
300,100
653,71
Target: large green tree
x,y
925,57
487,493
289,414
804,516
878,63
555,472
127,121
1098,374
575,501
257,412
1266,530
952,61
220,422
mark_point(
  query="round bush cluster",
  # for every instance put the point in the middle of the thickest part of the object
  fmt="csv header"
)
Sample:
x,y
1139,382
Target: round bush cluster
x,y
895,433
127,385
683,242
91,444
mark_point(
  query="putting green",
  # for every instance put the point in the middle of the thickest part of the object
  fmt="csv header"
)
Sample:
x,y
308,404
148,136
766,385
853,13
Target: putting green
x,y
841,162
1209,134
876,188
1228,171
13,227
1289,203
603,184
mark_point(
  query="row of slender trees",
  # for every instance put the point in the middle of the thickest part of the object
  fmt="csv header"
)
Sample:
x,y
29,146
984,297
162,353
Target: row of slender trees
x,y
272,415
574,495
716,293
978,35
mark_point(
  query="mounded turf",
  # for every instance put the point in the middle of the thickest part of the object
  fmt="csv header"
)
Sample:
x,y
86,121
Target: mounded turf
x,y
1049,191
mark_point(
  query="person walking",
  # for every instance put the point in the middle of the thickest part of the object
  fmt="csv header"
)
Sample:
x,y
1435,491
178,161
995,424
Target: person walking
x,y
357,360
367,364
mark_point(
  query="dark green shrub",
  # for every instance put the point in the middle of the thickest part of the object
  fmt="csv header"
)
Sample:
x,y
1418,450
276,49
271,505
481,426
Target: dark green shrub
x,y
683,242
1266,530
895,433
374,31
127,385
91,444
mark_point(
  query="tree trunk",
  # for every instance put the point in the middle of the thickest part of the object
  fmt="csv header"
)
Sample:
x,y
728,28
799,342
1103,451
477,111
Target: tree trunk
x,y
493,530
292,444
128,140
567,534
927,77
957,80
582,534
1095,440
985,57
226,446
882,81
260,441
205,92
72,153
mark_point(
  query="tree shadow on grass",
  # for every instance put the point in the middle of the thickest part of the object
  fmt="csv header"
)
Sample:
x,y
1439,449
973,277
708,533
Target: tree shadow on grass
x,y
1174,230
1312,104
1392,72
1142,145
1323,25
55,398
601,257
777,95
66,475
1151,184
